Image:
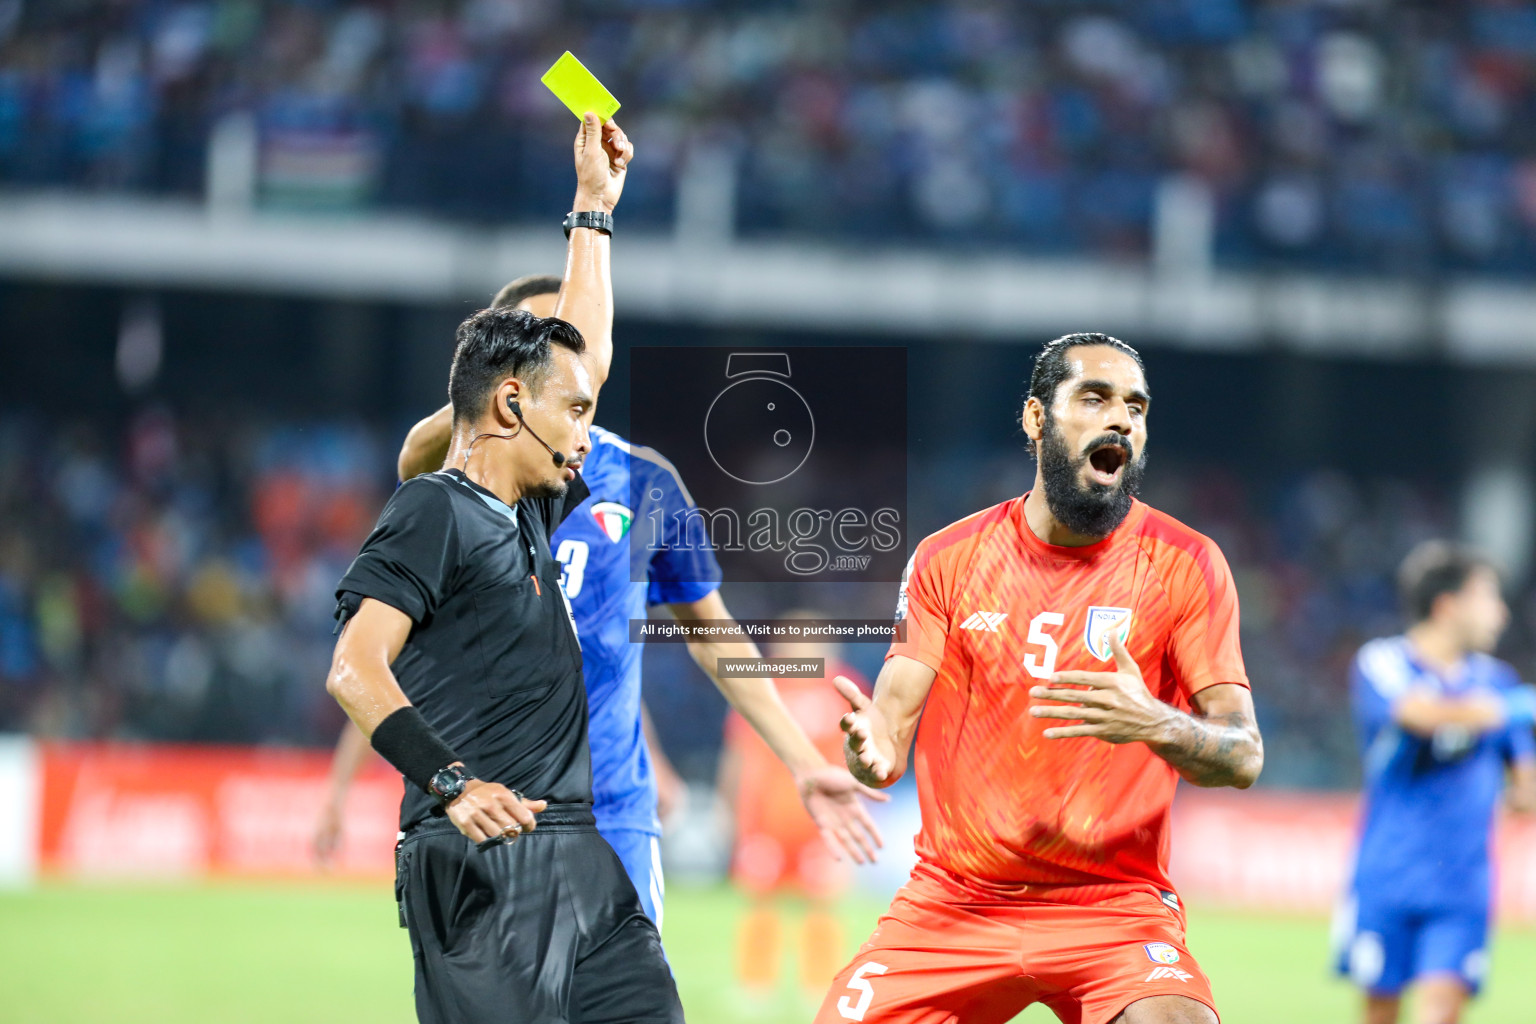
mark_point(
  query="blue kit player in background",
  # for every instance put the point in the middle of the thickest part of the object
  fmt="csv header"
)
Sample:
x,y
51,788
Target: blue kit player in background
x,y
594,547
600,583
1441,724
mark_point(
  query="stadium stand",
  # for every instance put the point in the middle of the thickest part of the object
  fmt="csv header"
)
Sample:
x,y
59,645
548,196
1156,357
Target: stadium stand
x,y
1388,138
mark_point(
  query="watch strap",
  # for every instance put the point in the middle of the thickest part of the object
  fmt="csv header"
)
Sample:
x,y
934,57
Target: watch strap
x,y
597,220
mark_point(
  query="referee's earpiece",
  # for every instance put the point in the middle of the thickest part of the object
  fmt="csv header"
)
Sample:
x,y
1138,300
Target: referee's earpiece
x,y
517,410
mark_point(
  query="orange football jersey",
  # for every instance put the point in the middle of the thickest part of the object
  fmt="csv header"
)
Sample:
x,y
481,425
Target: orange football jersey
x,y
994,611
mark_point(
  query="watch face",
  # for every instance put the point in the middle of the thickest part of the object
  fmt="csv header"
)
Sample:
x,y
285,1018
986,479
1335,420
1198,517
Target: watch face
x,y
759,430
447,784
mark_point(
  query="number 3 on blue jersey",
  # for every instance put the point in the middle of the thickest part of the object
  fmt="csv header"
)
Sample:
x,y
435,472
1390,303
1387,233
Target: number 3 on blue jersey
x,y
573,556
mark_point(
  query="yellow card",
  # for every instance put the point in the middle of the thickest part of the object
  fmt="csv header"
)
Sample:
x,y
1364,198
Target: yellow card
x,y
579,89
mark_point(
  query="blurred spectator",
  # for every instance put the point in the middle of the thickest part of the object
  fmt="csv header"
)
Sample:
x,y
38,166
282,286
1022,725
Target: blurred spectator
x,y
1334,133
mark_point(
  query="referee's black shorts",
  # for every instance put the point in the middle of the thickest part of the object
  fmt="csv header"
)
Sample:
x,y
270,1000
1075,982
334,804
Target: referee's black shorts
x,y
545,929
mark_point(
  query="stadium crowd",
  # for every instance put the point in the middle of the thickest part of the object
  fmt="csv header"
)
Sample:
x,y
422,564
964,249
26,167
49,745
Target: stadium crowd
x,y
174,582
1377,135
162,585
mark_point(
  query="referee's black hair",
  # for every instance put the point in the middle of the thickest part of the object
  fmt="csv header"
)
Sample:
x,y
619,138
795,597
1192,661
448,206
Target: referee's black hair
x,y
1432,569
524,288
1051,368
495,344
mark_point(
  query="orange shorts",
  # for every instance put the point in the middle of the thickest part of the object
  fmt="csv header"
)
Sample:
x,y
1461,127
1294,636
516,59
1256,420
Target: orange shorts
x,y
940,958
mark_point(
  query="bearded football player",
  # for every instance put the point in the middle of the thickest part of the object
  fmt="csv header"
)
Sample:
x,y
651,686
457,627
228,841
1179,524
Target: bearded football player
x,y
1073,653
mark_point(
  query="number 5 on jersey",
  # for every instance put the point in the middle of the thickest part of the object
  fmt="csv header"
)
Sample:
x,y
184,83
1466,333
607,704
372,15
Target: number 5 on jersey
x,y
1042,666
847,1006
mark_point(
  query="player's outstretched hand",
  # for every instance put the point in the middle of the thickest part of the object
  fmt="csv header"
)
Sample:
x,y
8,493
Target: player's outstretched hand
x,y
327,838
868,745
1116,707
603,154
1521,792
671,794
488,810
832,797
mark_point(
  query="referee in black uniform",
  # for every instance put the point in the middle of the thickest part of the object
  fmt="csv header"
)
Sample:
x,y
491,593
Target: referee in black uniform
x,y
459,659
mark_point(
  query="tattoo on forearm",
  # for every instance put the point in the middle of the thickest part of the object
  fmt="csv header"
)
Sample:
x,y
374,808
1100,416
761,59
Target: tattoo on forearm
x,y
1221,751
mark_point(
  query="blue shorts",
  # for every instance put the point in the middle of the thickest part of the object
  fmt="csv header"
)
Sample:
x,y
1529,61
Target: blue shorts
x,y
1383,947
641,853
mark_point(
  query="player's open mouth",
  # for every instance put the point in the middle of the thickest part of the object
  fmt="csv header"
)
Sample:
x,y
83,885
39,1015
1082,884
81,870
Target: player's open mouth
x,y
1106,463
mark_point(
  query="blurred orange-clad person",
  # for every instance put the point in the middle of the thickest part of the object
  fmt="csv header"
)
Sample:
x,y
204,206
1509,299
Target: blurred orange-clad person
x,y
777,849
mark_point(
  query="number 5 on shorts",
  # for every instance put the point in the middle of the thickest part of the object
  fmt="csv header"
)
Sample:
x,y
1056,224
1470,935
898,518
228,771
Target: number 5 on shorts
x,y
855,1010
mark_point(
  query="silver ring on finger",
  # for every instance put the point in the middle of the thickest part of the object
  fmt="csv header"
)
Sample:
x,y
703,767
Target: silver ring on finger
x,y
516,828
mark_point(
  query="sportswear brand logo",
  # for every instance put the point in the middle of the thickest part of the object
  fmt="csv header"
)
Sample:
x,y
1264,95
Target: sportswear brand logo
x,y
1163,973
1103,622
613,518
1161,953
986,622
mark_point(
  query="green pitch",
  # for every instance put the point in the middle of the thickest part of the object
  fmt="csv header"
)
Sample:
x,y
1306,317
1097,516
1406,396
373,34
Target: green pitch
x,y
320,953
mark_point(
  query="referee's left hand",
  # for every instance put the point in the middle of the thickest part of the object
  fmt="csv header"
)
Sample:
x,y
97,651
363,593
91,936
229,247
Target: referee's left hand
x,y
488,809
832,797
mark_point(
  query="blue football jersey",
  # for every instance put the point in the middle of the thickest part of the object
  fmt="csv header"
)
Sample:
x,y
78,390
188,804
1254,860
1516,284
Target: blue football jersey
x,y
608,581
1429,801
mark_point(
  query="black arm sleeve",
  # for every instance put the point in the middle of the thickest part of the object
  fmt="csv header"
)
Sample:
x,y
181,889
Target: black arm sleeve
x,y
405,740
408,560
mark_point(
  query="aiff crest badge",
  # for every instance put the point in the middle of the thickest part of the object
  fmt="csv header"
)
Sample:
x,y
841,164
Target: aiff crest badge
x,y
1161,953
1102,623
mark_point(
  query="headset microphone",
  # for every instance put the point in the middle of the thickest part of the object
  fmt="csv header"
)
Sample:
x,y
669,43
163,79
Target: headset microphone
x,y
517,410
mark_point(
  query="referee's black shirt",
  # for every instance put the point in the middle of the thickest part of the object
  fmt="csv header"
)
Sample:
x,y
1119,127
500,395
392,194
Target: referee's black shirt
x,y
492,661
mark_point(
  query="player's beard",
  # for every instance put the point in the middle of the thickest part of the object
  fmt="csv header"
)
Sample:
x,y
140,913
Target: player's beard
x,y
1091,509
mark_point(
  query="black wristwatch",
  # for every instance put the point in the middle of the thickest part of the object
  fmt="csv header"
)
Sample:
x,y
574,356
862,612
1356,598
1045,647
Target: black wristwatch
x,y
597,220
448,785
